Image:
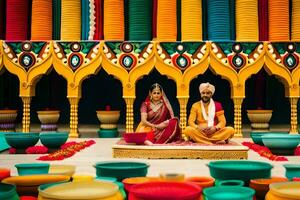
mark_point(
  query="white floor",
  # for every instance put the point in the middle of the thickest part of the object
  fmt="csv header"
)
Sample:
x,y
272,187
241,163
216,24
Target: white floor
x,y
102,151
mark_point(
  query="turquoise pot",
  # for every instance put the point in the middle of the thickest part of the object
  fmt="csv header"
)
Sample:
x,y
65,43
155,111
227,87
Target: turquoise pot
x,y
228,193
53,140
121,170
8,192
244,170
32,168
256,137
281,143
292,171
108,133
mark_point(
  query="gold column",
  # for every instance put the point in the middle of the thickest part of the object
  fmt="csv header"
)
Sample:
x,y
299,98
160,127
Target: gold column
x,y
183,116
294,125
26,114
129,114
238,116
74,117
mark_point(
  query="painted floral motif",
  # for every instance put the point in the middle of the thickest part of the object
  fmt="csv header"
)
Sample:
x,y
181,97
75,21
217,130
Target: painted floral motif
x,y
286,54
181,55
76,54
236,54
127,54
27,54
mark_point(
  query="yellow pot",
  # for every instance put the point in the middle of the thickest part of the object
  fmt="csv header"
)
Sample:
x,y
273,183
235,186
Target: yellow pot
x,y
284,191
91,190
48,116
108,117
8,116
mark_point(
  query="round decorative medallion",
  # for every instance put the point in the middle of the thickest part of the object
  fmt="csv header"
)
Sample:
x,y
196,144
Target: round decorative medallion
x,y
75,60
238,61
290,61
237,47
126,47
181,61
26,46
27,60
75,47
128,61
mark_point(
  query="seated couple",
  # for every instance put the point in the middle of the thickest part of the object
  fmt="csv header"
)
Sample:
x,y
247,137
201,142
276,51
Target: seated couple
x,y
206,121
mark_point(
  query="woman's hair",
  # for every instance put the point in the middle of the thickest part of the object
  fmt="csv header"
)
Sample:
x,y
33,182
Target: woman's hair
x,y
155,85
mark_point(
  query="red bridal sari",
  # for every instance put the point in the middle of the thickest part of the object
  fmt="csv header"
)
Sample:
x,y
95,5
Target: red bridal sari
x,y
161,114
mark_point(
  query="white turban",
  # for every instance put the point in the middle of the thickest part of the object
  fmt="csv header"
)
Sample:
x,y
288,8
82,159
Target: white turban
x,y
208,86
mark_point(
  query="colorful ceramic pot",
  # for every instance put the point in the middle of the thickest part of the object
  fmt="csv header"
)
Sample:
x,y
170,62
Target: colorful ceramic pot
x,y
202,181
121,170
91,190
7,120
284,191
32,168
228,193
292,170
259,119
261,186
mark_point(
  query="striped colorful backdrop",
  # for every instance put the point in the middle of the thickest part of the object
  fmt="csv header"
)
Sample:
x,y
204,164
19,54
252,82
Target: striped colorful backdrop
x,y
163,20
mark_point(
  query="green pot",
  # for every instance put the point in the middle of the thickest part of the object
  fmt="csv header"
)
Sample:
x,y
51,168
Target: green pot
x,y
228,193
121,170
8,192
108,133
32,168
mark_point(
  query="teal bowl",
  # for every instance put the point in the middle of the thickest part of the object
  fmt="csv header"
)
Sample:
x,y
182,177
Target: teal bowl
x,y
54,140
228,193
32,168
292,171
281,143
256,137
8,192
121,170
108,133
244,170
20,140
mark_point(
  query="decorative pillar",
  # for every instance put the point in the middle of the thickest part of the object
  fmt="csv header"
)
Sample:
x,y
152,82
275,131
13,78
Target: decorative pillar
x,y
238,116
183,116
294,125
26,114
129,114
74,117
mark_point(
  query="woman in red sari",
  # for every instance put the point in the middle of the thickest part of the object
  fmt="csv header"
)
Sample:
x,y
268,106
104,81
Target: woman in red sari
x,y
157,115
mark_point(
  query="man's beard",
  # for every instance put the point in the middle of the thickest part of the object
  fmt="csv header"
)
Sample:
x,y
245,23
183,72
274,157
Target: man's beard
x,y
205,99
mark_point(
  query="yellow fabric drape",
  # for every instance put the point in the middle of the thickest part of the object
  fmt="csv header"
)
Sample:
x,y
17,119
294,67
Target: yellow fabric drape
x,y
70,19
41,22
279,29
246,15
191,20
166,20
295,29
114,28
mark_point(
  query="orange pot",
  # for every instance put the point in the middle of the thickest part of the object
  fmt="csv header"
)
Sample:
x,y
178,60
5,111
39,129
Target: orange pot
x,y
261,186
202,181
